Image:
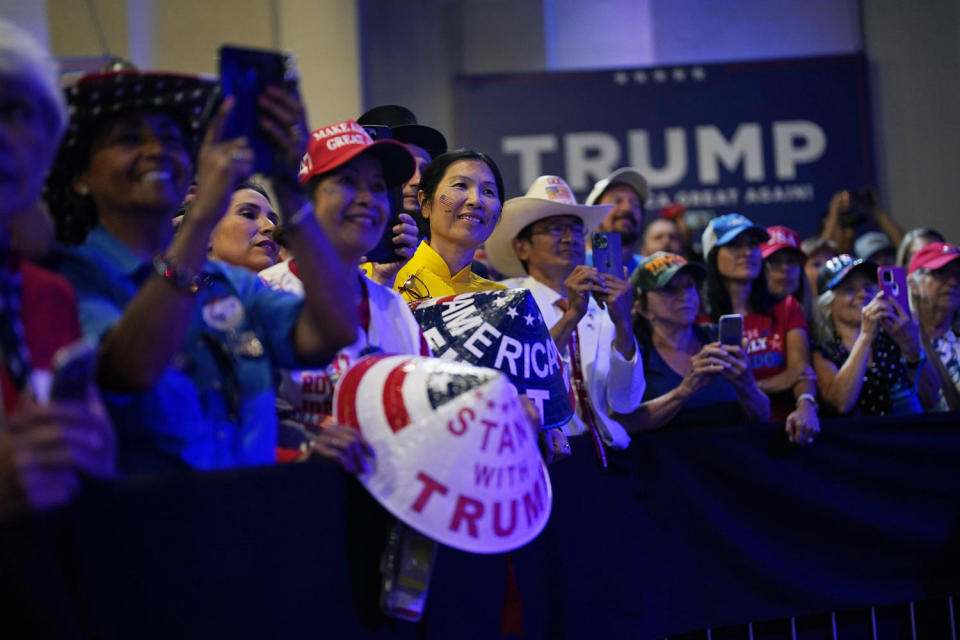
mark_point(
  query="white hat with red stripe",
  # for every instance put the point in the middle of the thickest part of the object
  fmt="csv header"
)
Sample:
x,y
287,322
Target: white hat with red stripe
x,y
455,455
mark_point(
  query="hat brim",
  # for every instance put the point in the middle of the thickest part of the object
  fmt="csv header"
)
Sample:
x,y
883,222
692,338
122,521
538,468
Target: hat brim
x,y
768,250
733,234
99,96
865,266
426,137
939,262
693,268
520,212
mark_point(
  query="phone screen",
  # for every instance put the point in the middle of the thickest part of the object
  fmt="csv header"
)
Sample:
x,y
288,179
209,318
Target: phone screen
x,y
386,250
731,329
245,74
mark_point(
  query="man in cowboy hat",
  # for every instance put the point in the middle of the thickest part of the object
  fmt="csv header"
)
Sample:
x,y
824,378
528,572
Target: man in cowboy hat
x,y
541,235
626,190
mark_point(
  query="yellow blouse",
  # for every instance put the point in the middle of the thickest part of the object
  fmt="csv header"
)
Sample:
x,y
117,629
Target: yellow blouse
x,y
426,275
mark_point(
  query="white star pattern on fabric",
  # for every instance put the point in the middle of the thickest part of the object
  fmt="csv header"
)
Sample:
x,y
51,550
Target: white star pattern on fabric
x,y
512,313
529,318
440,381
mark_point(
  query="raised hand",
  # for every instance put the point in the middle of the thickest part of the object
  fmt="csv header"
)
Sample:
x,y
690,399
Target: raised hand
x,y
345,446
221,165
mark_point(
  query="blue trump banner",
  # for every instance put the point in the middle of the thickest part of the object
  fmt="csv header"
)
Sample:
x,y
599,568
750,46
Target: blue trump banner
x,y
502,330
772,140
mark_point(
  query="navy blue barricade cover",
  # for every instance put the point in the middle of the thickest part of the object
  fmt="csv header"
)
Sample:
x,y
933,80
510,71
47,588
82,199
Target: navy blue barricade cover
x,y
503,330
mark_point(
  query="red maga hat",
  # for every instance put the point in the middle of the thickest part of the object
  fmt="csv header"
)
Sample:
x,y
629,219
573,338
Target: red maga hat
x,y
337,144
781,238
933,256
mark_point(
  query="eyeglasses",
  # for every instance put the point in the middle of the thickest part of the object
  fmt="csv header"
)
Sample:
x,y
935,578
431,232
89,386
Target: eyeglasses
x,y
415,288
557,229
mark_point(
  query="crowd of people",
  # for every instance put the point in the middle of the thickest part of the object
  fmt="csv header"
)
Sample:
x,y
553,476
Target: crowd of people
x,y
221,313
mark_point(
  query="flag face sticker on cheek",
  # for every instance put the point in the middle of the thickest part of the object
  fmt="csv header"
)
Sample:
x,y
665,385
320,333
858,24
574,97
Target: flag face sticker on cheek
x,y
455,455
503,330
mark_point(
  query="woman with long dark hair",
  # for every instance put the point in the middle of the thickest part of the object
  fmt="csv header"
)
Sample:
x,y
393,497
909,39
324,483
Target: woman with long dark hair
x,y
783,267
774,331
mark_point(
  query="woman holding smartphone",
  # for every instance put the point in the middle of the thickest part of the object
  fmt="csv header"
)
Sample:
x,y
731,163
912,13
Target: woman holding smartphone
x,y
692,379
868,354
188,346
774,331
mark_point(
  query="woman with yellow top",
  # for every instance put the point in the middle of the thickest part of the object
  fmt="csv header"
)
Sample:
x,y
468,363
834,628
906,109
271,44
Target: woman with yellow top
x,y
461,195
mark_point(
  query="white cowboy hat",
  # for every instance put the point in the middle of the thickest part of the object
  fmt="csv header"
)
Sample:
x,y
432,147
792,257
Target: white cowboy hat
x,y
548,196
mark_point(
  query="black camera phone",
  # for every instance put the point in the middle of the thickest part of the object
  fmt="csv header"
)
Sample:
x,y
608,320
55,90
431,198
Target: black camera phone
x,y
245,74
386,250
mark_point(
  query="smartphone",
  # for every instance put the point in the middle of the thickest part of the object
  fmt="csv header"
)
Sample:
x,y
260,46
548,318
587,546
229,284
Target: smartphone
x,y
386,250
731,329
74,367
245,74
607,257
893,282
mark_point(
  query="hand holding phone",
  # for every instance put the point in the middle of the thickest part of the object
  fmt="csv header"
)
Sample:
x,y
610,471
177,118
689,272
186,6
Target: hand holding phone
x,y
74,367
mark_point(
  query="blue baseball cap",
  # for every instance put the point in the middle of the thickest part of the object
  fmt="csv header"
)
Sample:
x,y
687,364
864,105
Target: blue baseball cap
x,y
723,229
835,270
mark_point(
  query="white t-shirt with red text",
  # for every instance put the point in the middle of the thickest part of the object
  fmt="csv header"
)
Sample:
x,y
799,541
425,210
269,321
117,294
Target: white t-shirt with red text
x,y
305,397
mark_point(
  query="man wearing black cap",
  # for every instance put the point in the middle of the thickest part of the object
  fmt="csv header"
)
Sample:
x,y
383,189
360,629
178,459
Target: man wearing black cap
x,y
425,143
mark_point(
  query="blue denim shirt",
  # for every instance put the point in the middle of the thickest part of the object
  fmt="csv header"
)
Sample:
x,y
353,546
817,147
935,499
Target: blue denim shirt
x,y
214,405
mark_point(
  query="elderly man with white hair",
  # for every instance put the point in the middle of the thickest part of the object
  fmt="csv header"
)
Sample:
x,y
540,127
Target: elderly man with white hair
x,y
46,446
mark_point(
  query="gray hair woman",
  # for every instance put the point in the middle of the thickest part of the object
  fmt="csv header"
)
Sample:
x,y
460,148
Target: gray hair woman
x,y
46,448
934,282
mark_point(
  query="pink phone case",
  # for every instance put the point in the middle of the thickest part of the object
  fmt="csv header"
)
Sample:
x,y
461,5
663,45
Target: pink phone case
x,y
893,282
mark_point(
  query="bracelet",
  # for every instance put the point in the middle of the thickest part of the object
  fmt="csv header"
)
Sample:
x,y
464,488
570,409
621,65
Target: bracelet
x,y
809,398
182,278
301,214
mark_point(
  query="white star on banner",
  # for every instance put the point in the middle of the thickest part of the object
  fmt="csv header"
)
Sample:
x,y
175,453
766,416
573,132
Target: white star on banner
x,y
679,75
440,381
621,78
640,77
530,319
512,312
660,75
698,73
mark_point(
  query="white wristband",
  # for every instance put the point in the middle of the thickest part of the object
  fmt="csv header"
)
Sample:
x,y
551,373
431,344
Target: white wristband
x,y
809,397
